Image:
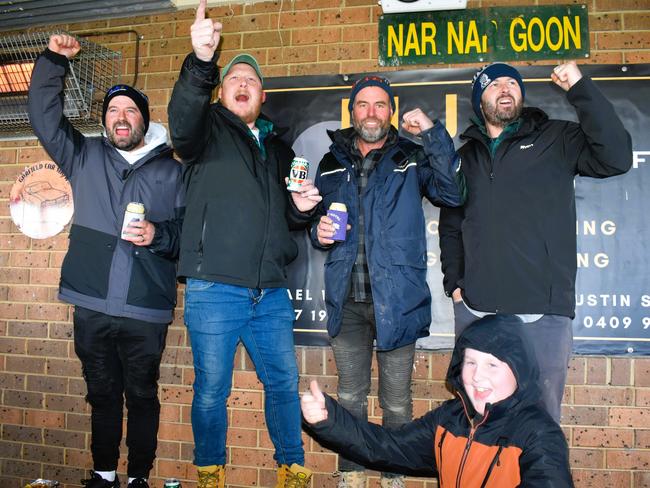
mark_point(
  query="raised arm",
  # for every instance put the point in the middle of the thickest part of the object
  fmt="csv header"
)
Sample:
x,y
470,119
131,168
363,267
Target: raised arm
x,y
599,145
441,180
45,103
407,450
189,105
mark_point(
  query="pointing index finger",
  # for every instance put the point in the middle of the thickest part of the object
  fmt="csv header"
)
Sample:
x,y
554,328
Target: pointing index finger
x,y
200,10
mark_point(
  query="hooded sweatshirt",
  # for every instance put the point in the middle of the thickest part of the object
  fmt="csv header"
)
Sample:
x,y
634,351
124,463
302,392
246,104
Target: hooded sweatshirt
x,y
515,443
101,271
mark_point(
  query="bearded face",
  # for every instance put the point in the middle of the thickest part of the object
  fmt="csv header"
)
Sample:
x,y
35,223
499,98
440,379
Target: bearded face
x,y
502,102
371,114
124,124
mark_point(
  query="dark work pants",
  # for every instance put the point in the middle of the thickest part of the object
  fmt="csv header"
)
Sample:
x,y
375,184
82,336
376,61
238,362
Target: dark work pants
x,y
353,355
120,358
551,338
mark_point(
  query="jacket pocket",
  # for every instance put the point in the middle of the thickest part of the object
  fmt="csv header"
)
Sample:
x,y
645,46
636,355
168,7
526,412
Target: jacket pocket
x,y
153,281
87,264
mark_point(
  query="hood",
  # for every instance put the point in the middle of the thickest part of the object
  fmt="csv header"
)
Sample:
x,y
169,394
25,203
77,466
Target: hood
x,y
155,137
501,336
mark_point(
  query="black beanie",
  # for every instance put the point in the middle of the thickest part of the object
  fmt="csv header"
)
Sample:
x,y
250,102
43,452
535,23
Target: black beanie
x,y
486,75
140,99
371,80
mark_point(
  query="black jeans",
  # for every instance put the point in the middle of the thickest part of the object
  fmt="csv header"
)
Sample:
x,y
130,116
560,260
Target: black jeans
x,y
120,358
353,348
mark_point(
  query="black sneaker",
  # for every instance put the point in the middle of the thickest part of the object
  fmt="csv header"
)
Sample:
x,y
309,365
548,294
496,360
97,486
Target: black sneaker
x,y
96,481
138,483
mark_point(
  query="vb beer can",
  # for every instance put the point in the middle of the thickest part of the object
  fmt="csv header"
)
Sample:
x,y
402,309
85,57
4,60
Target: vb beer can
x,y
298,173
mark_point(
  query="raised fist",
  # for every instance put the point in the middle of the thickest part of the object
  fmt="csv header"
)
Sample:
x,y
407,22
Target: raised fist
x,y
64,44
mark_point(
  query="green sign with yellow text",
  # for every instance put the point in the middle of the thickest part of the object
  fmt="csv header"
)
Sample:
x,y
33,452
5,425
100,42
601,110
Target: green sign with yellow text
x,y
484,35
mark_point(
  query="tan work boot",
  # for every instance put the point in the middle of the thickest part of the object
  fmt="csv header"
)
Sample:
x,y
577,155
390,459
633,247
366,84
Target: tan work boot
x,y
396,482
211,476
352,479
295,476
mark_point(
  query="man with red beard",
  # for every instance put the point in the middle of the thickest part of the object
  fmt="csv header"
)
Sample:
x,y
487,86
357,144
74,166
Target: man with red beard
x,y
234,250
122,284
512,247
375,280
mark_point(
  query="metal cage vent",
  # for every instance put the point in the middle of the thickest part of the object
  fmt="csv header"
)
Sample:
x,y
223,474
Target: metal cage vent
x,y
92,72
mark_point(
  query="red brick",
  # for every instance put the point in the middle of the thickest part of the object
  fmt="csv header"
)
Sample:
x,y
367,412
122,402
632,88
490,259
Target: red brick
x,y
242,437
628,459
600,478
25,364
246,400
596,370
13,311
572,415
623,40
605,22
586,458
21,433
64,438
602,437
78,422
14,275
175,432
602,5
66,403
28,329
11,415
47,348
174,394
620,374
629,417
44,276
41,418
174,469
12,381
348,16
10,345
251,457
593,395
63,367
320,35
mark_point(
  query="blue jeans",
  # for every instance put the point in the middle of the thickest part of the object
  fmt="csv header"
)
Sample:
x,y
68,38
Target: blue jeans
x,y
218,316
353,348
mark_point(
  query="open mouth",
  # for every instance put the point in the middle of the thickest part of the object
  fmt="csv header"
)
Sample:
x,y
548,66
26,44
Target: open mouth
x,y
122,130
481,393
242,97
506,102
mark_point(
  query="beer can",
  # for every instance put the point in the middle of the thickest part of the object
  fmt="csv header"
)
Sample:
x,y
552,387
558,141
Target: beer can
x,y
172,483
134,212
41,483
338,212
298,173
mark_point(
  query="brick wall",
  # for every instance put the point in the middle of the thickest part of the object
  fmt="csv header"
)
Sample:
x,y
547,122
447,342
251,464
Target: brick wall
x,y
44,419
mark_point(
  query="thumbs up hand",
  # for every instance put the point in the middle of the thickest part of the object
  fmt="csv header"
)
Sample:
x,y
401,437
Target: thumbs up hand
x,y
205,34
312,404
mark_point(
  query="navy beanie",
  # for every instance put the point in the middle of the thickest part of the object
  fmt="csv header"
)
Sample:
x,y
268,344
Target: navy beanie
x,y
486,75
371,80
140,99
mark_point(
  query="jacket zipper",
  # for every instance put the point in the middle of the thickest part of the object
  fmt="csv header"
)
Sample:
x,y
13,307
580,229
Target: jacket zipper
x,y
495,462
470,438
267,195
203,226
442,440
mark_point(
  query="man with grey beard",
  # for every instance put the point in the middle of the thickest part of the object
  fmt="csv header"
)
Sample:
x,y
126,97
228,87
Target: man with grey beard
x,y
512,248
375,280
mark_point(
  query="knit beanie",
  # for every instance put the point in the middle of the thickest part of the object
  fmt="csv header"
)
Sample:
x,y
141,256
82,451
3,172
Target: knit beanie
x,y
371,80
140,99
486,75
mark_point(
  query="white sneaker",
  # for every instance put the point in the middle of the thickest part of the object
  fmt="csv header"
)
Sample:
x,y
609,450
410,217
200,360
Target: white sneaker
x,y
352,479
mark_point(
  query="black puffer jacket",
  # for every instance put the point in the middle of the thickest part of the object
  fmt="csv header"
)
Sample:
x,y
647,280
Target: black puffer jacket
x,y
239,212
512,247
101,271
515,443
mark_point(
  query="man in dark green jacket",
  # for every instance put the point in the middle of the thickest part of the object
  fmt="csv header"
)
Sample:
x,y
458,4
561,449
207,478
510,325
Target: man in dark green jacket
x,y
512,247
234,250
